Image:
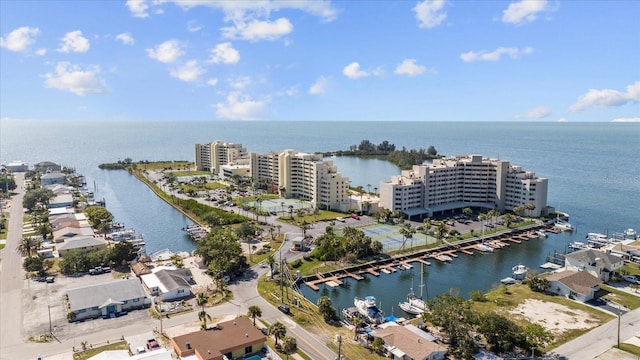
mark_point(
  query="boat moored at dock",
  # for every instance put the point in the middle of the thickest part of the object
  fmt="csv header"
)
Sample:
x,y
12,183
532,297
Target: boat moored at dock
x,y
368,308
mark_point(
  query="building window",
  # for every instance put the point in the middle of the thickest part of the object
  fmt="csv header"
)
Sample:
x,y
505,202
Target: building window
x,y
136,300
248,350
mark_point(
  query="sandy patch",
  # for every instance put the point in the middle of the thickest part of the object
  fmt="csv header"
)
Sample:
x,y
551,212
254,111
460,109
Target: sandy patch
x,y
554,317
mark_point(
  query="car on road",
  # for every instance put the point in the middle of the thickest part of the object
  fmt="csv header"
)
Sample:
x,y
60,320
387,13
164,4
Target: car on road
x,y
341,219
284,308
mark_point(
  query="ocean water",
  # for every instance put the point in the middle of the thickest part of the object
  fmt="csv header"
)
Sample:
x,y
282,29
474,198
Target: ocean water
x,y
593,171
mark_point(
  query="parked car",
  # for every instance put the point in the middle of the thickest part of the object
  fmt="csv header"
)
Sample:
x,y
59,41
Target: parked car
x,y
284,308
355,216
630,278
341,219
152,344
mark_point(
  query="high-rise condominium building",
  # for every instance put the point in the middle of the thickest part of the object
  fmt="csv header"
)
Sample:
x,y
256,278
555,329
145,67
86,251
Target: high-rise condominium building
x,y
210,157
447,185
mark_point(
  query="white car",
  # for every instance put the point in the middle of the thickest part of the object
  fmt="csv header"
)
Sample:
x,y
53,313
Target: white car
x,y
340,219
630,278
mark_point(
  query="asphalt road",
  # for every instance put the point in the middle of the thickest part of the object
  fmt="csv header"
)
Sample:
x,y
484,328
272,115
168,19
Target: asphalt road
x,y
12,275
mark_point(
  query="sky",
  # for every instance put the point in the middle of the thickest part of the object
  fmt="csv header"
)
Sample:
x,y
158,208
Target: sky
x,y
299,60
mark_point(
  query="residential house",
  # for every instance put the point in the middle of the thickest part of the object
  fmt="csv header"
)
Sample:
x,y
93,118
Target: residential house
x,y
67,232
578,285
52,179
17,166
46,167
108,299
61,201
598,263
409,343
227,340
169,283
84,243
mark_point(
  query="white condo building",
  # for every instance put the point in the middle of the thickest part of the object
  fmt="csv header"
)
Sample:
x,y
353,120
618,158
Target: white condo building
x,y
212,157
463,181
294,174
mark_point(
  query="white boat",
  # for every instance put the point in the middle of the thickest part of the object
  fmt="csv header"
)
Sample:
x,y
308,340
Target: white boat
x,y
410,309
596,237
509,281
446,257
519,271
630,233
541,233
415,305
564,225
484,247
578,245
367,307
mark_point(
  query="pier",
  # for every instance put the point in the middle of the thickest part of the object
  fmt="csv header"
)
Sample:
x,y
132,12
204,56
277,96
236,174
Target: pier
x,y
445,254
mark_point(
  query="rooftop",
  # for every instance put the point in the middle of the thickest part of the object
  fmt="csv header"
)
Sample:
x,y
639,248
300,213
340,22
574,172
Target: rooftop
x,y
97,294
579,281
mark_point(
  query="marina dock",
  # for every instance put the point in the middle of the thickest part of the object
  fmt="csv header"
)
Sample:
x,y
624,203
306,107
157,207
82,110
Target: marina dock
x,y
445,254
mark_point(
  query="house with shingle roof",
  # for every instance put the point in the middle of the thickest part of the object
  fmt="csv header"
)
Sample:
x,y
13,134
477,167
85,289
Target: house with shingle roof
x,y
409,343
47,167
578,285
106,299
598,263
84,243
52,179
169,283
232,339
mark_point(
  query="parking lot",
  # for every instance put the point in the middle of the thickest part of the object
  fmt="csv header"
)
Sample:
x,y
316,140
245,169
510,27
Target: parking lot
x,y
42,300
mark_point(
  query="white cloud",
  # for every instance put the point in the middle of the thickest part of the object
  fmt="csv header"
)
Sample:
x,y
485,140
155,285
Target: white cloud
x,y
606,98
352,71
193,26
79,81
138,8
627,120
410,68
225,53
535,113
429,13
41,52
126,38
240,82
167,52
256,30
190,71
240,107
562,120
524,11
73,41
495,55
19,39
319,87
212,82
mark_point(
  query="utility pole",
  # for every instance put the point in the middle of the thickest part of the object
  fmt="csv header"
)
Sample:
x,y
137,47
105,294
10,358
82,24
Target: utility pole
x,y
619,316
51,329
281,275
339,339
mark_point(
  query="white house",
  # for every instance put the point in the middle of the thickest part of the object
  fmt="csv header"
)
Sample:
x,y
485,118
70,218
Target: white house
x,y
578,285
168,282
107,299
84,243
598,263
52,179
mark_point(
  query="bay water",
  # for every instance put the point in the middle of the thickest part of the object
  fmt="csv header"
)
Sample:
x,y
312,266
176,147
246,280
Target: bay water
x,y
593,171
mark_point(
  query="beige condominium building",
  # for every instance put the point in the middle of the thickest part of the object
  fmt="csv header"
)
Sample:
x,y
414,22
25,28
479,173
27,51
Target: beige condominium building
x,y
452,184
211,157
291,173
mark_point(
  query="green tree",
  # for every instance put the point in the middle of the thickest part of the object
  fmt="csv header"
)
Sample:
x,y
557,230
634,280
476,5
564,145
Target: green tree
x,y
536,336
378,345
201,300
453,314
289,345
407,232
7,183
357,322
538,284
467,211
326,309
99,217
246,232
508,219
29,245
122,252
278,330
501,333
39,197
221,253
254,311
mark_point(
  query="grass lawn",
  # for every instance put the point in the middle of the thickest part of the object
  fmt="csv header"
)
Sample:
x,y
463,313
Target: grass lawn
x,y
82,355
635,350
323,215
630,269
503,299
166,165
623,298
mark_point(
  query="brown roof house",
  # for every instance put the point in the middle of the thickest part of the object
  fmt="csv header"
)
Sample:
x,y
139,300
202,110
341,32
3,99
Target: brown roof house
x,y
409,343
578,285
231,339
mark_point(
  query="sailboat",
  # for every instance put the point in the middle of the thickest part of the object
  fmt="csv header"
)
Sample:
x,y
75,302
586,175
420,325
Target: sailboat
x,y
415,305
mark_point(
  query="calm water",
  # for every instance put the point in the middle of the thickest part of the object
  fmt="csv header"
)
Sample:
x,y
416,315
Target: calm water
x,y
593,172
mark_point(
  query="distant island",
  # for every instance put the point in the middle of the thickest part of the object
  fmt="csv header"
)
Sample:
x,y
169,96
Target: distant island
x,y
404,158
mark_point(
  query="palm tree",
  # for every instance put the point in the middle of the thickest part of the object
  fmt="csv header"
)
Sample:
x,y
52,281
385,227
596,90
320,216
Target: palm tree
x,y
28,245
375,190
467,211
508,219
271,260
482,218
407,232
202,299
289,345
278,330
530,207
357,322
254,311
441,230
291,211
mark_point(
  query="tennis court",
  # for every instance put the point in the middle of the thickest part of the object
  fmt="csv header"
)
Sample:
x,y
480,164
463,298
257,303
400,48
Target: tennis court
x,y
391,238
280,205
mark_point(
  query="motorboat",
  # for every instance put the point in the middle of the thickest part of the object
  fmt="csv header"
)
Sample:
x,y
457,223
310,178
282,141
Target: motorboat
x,y
484,247
541,234
367,307
596,237
519,271
578,245
564,225
509,281
630,234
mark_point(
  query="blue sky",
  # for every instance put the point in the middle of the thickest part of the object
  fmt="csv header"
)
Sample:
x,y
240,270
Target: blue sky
x,y
320,60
